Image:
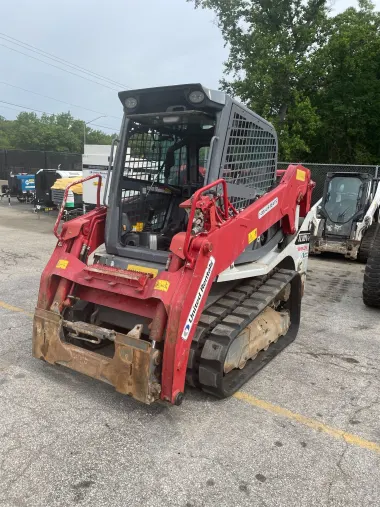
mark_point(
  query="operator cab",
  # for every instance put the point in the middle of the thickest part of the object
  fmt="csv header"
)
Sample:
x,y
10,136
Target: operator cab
x,y
346,198
169,158
173,141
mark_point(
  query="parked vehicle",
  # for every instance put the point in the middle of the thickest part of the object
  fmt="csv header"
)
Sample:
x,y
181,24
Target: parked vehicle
x,y
346,218
195,279
21,186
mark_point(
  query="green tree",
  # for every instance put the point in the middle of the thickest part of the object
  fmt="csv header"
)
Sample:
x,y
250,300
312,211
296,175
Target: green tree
x,y
316,77
5,142
346,75
26,132
98,137
61,132
271,43
298,133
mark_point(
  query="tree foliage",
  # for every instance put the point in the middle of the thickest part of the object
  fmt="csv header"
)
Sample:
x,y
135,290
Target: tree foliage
x,y
61,132
347,88
315,76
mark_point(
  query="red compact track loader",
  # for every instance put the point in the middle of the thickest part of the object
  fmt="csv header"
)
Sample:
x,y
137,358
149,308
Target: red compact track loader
x,y
189,271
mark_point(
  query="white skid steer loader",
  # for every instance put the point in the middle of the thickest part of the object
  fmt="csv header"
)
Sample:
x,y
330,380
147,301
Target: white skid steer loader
x,y
346,217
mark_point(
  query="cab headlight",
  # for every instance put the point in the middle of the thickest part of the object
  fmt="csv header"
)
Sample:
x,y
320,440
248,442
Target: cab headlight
x,y
130,103
196,97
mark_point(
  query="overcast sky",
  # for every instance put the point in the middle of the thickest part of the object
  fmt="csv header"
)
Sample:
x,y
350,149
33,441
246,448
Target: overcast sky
x,y
138,43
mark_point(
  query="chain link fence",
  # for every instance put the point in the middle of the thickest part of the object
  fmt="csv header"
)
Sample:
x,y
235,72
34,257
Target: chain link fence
x,y
319,172
30,161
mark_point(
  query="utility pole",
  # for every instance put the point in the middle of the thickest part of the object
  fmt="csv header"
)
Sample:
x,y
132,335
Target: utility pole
x,y
87,123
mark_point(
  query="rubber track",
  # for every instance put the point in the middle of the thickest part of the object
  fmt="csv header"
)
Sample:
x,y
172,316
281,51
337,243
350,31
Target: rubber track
x,y
371,284
222,322
367,242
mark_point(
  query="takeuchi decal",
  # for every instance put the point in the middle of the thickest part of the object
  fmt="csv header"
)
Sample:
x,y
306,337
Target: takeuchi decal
x,y
268,208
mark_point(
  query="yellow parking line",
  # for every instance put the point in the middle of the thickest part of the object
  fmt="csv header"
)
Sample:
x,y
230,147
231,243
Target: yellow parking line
x,y
275,409
306,421
14,309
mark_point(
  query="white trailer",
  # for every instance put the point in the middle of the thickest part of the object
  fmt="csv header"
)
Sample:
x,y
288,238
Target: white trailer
x,y
96,161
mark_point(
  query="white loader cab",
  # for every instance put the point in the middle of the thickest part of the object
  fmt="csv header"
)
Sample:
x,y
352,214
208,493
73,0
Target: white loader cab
x,y
344,219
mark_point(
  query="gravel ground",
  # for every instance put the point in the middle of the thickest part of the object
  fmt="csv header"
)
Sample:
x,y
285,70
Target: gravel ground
x,y
68,440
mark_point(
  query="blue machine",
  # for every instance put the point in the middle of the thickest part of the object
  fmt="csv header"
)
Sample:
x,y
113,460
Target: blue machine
x,y
21,186
26,182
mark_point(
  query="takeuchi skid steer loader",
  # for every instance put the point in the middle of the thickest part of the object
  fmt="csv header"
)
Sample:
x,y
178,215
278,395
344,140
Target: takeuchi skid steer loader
x,y
346,218
185,274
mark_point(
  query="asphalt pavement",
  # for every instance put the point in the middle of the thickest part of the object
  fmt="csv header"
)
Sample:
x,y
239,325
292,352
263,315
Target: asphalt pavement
x,y
303,432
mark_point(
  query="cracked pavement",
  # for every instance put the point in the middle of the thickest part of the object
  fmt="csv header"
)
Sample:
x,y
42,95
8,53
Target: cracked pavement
x,y
67,440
